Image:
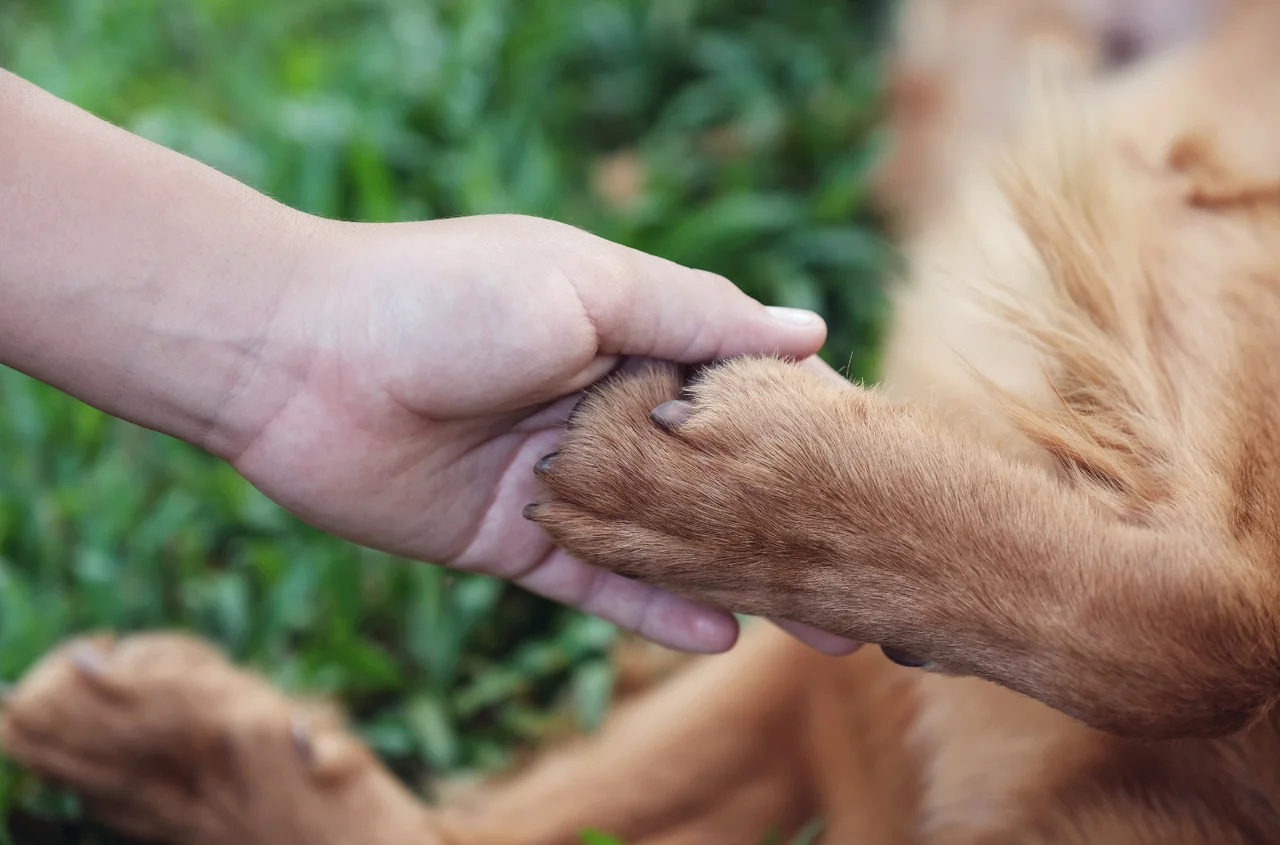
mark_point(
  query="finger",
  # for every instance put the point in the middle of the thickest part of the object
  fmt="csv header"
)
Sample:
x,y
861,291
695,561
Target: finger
x,y
657,308
654,614
816,638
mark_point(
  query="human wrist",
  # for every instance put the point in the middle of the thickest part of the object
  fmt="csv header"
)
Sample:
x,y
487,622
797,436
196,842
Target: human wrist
x,y
229,345
135,278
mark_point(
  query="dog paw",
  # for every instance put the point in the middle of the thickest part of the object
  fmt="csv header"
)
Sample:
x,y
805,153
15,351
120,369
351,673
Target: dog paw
x,y
165,740
721,489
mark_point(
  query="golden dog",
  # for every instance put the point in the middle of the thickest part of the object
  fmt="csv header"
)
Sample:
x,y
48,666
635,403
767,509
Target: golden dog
x,y
1059,516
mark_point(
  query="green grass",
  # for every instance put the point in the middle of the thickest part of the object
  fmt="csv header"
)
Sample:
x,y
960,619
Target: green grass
x,y
752,126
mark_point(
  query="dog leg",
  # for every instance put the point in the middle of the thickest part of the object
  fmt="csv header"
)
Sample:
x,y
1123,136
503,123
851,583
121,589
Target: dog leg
x,y
164,740
770,491
714,754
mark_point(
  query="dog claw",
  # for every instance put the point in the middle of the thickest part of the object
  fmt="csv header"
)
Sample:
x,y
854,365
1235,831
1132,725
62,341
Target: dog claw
x,y
671,415
543,466
572,419
903,658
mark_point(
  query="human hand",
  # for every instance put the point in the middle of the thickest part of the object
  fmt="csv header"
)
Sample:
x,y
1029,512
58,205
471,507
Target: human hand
x,y
442,359
391,384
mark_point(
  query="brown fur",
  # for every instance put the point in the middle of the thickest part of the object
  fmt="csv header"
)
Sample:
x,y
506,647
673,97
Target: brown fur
x,y
1065,497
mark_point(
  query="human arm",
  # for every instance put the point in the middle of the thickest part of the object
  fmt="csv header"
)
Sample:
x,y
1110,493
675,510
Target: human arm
x,y
383,382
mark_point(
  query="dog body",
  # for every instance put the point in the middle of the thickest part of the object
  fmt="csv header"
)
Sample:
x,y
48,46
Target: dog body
x,y
1062,503
1136,175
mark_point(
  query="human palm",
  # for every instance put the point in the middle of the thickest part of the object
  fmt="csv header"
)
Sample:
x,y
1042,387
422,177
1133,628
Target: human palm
x,y
443,361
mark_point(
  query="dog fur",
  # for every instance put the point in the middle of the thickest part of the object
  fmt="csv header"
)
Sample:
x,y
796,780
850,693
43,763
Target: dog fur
x,y
1062,503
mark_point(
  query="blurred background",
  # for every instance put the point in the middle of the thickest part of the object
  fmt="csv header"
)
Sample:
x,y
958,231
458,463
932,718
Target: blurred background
x,y
731,135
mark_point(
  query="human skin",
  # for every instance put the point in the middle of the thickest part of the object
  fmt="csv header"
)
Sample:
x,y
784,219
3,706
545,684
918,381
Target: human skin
x,y
392,384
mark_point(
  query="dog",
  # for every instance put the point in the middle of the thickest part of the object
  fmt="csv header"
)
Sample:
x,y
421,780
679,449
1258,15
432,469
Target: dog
x,y
1057,517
